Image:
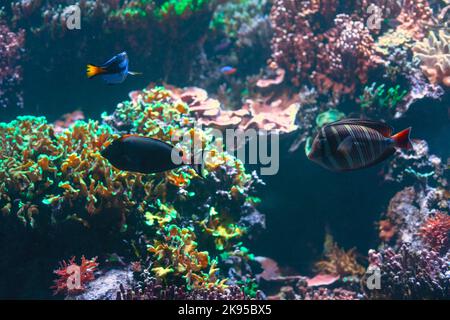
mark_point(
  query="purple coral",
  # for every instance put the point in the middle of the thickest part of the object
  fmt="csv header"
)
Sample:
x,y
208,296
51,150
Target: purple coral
x,y
410,274
152,289
11,44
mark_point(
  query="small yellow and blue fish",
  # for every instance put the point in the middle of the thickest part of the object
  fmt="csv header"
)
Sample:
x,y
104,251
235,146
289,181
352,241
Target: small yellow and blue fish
x,y
113,71
227,70
144,155
352,144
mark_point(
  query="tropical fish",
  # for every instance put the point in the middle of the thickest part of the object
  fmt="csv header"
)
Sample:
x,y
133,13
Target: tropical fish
x,y
222,46
351,144
227,70
144,155
113,71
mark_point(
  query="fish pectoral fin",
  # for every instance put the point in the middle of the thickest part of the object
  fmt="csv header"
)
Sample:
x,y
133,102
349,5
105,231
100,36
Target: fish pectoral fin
x,y
346,145
133,73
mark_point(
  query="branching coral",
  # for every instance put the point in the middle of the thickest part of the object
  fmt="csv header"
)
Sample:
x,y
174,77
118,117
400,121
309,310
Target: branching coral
x,y
315,43
410,208
409,274
177,253
346,57
434,56
377,102
164,114
415,17
72,278
153,289
418,165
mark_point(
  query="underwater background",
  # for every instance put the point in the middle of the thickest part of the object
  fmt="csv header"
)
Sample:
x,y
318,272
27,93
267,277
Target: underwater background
x,y
284,66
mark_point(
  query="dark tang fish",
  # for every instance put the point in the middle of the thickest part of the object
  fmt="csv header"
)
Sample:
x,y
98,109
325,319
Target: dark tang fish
x,y
113,71
143,155
351,144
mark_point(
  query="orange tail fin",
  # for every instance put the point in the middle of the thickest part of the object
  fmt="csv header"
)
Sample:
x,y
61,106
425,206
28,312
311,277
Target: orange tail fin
x,y
92,71
402,139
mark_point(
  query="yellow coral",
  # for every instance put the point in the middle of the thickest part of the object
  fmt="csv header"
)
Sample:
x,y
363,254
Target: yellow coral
x,y
339,262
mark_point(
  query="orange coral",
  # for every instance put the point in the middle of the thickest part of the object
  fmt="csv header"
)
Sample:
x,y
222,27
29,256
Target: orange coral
x,y
339,262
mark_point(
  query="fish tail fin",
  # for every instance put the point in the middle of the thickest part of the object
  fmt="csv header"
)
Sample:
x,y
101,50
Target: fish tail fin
x,y
198,168
134,73
92,71
402,139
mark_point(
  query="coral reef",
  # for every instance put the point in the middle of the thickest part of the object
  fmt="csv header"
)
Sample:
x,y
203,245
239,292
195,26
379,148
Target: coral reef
x,y
417,165
416,265
11,50
410,274
50,179
152,289
297,66
345,58
140,26
377,102
276,114
411,207
327,57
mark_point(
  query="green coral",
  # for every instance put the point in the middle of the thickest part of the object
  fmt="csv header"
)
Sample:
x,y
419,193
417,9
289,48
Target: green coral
x,y
230,16
48,178
377,96
180,7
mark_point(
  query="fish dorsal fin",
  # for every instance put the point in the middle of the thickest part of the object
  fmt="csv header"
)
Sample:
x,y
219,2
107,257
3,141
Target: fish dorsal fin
x,y
127,136
381,127
345,147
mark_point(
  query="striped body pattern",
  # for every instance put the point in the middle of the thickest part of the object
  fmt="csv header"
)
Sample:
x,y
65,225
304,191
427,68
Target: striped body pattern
x,y
352,144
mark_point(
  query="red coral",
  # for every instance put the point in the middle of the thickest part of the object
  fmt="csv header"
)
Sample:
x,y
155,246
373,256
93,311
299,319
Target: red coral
x,y
435,232
69,273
